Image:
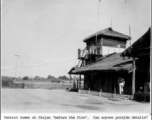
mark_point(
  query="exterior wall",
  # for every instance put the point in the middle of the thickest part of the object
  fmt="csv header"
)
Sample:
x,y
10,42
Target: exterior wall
x,y
111,43
140,80
102,41
142,73
107,46
108,50
107,82
86,86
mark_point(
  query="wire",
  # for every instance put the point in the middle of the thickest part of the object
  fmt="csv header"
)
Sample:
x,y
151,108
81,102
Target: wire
x,y
64,34
97,20
124,21
130,30
32,65
112,11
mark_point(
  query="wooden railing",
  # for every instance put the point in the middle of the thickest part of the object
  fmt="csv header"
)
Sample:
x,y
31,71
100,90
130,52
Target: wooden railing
x,y
94,50
89,50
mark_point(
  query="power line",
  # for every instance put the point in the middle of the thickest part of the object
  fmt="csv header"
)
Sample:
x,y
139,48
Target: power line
x,y
111,22
64,34
97,19
32,65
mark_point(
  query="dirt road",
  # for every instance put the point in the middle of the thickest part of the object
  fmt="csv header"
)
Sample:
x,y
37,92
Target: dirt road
x,y
60,101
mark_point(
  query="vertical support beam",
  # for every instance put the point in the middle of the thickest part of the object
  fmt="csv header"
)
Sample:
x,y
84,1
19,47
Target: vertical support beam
x,y
90,81
108,86
80,82
70,78
87,81
100,78
79,51
115,80
133,77
84,80
101,45
77,84
90,57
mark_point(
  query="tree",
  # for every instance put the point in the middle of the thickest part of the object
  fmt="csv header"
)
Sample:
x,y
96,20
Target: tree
x,y
25,78
50,77
37,78
7,81
63,77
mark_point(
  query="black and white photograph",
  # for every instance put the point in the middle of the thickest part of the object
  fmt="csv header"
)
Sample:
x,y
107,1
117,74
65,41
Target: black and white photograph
x,y
76,56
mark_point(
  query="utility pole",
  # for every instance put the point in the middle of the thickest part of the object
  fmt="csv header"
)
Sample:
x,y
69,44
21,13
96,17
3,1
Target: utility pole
x,y
97,21
16,67
111,22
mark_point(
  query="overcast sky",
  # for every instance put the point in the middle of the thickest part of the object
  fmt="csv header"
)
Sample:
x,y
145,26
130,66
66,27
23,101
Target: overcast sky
x,y
47,33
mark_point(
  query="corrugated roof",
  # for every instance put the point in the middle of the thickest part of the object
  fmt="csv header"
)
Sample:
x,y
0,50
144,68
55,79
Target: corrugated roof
x,y
108,32
113,62
140,47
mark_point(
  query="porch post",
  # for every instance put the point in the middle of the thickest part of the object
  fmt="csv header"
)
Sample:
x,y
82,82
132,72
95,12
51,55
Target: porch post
x,y
101,44
79,53
133,77
77,83
100,82
108,82
70,78
80,82
84,80
115,80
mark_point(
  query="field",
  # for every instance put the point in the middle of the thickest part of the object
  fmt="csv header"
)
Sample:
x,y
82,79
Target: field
x,y
37,84
51,97
61,101
45,85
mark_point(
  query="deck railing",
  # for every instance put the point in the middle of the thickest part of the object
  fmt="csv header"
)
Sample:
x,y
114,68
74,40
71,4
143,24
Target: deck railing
x,y
93,50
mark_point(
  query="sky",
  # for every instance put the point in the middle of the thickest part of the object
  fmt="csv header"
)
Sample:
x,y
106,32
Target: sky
x,y
46,34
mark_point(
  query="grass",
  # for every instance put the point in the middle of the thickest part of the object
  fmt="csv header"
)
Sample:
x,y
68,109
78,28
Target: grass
x,y
36,84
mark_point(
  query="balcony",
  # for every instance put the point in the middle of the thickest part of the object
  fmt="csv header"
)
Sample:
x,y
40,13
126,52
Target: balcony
x,y
89,51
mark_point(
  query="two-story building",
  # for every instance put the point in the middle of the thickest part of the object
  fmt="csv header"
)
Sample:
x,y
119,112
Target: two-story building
x,y
102,43
102,63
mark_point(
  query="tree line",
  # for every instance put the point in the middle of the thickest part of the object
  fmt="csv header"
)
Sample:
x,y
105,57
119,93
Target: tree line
x,y
49,77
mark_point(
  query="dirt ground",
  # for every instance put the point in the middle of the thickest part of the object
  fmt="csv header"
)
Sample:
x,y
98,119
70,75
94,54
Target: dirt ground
x,y
61,101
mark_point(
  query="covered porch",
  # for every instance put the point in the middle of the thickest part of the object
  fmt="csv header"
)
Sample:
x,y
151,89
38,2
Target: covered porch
x,y
102,77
